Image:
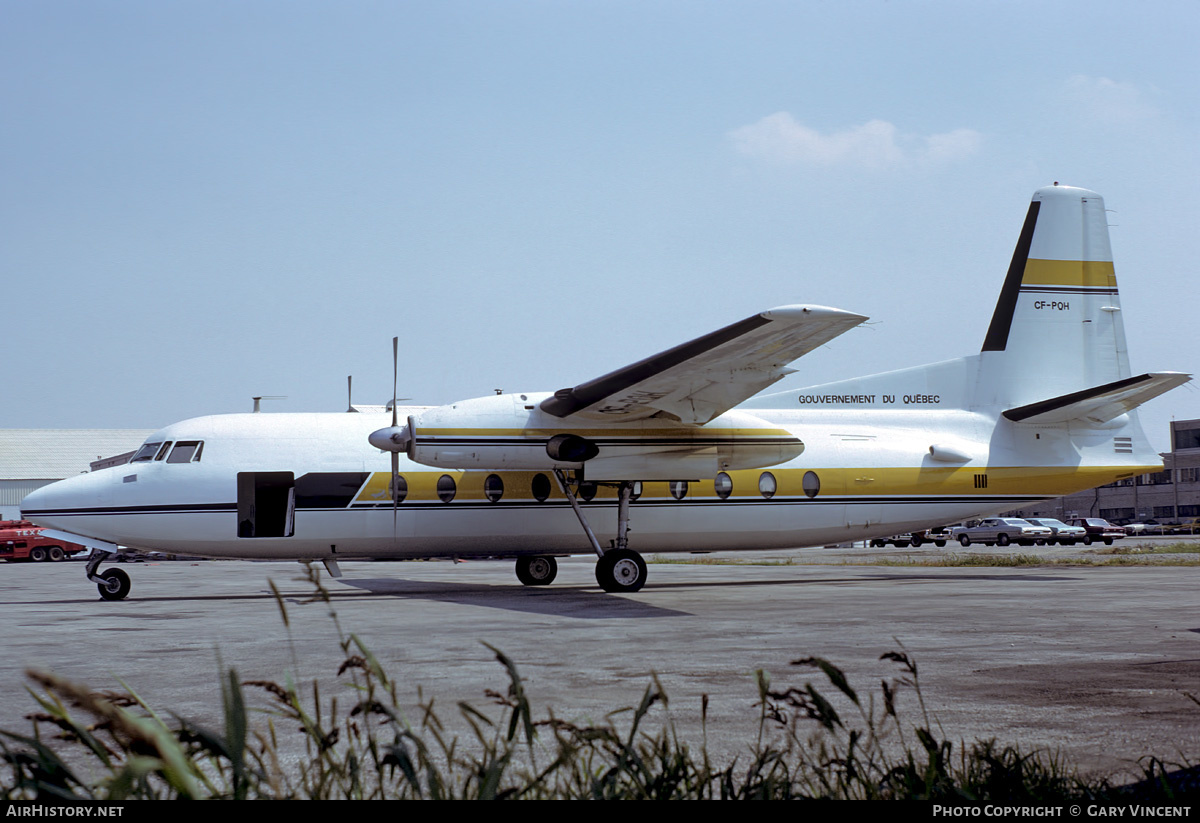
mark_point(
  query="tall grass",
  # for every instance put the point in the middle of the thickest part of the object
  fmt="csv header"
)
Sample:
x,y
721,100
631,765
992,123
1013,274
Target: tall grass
x,y
805,741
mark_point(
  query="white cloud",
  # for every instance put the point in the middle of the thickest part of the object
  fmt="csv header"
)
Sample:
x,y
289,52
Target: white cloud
x,y
780,138
1108,100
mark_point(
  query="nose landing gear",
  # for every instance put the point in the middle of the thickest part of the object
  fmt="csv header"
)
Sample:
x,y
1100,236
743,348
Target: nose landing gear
x,y
114,584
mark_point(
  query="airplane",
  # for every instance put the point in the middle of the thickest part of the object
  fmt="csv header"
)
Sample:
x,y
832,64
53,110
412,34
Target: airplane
x,y
674,453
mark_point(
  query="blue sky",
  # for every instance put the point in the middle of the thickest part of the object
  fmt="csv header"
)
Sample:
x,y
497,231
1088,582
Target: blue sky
x,y
205,201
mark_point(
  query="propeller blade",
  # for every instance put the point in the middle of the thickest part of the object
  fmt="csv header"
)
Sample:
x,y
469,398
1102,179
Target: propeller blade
x,y
395,490
395,375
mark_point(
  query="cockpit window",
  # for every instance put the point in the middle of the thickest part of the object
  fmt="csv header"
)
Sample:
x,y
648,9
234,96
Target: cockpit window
x,y
146,452
185,451
166,447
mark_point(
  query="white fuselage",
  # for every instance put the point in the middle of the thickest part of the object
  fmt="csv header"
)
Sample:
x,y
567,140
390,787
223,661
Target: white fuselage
x,y
861,474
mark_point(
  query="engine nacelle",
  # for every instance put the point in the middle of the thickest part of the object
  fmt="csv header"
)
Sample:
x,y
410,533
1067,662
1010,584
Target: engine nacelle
x,y
571,448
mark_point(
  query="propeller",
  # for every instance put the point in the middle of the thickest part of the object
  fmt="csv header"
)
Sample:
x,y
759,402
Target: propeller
x,y
394,438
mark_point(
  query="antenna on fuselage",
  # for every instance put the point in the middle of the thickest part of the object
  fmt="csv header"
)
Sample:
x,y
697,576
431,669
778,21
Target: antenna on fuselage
x,y
258,400
350,393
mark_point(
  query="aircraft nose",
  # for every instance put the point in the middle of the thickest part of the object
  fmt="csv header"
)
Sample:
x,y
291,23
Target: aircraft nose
x,y
56,505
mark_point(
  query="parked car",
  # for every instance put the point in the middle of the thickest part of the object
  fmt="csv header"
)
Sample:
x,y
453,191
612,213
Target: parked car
x,y
1097,529
1188,526
1061,533
937,537
900,541
1000,531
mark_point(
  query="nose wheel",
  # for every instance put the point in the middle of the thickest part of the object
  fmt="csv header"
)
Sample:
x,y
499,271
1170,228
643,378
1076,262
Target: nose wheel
x,y
113,584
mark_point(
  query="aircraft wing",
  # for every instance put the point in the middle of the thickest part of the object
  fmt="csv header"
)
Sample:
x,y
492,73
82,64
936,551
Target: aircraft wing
x,y
699,380
1101,403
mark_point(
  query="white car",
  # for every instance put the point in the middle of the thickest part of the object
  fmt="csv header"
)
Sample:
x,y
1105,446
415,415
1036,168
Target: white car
x,y
1000,531
1063,534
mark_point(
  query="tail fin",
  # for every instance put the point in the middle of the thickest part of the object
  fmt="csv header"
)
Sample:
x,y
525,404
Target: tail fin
x,y
1058,320
1055,349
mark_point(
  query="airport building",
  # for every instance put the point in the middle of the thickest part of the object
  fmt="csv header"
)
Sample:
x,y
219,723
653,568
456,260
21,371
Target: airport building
x,y
32,458
1169,496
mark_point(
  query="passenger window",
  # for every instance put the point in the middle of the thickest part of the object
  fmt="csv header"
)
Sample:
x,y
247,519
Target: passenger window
x,y
401,488
185,451
446,488
767,485
723,485
587,491
541,487
811,484
679,489
493,488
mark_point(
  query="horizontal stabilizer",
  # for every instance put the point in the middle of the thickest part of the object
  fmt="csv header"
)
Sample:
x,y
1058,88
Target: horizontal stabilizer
x,y
1099,404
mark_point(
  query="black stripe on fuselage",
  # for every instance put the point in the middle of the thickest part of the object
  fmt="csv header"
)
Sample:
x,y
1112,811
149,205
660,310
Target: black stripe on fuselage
x,y
210,508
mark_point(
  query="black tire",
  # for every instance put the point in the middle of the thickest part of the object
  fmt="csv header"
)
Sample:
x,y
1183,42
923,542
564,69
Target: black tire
x,y
57,555
877,544
117,587
37,554
941,544
964,540
916,542
1002,540
536,571
1087,540
622,571
1108,541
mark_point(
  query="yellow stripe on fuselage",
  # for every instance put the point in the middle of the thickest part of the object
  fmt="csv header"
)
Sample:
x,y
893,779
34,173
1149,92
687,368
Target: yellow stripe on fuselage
x,y
1069,273
930,482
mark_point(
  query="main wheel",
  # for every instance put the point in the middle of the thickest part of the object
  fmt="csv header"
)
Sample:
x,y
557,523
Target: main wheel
x,y
57,555
37,554
621,571
964,540
536,571
116,585
1002,540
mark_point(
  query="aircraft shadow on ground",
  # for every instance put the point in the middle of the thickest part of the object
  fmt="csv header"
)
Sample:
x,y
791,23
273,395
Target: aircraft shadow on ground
x,y
561,601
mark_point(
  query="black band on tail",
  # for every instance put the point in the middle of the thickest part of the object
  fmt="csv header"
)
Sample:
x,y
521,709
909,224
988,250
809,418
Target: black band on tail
x,y
997,335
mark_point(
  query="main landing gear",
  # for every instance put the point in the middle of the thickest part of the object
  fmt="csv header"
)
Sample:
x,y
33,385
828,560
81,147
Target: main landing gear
x,y
620,569
113,584
536,571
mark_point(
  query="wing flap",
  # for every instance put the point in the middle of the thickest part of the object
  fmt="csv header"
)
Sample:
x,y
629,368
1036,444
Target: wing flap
x,y
703,378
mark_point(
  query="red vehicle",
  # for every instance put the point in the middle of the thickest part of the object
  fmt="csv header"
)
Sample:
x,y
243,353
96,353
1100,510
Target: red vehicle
x,y
21,540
